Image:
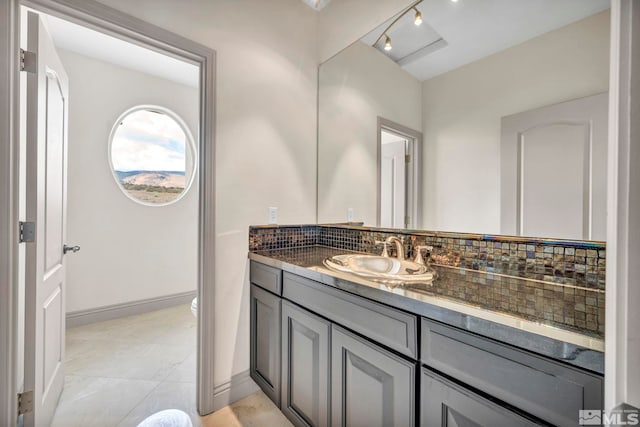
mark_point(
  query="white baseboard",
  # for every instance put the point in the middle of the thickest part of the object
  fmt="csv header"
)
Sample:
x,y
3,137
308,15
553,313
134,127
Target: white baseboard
x,y
240,386
100,314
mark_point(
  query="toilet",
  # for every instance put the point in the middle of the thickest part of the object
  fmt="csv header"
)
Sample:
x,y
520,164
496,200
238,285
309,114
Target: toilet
x,y
194,307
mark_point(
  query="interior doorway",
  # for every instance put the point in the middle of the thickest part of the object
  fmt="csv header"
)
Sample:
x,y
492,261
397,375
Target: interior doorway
x,y
394,150
135,220
399,160
45,319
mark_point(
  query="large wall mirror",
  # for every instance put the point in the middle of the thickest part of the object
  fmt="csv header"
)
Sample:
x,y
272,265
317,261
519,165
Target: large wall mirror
x,y
488,117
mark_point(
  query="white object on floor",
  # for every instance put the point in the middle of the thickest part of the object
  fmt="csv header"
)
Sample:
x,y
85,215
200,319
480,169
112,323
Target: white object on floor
x,y
194,307
167,418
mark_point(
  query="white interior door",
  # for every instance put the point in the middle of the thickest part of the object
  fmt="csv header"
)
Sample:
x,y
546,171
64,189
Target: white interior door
x,y
554,169
47,99
393,184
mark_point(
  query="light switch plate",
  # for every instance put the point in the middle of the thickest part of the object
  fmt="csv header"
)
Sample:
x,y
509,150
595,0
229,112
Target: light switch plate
x,y
273,215
350,215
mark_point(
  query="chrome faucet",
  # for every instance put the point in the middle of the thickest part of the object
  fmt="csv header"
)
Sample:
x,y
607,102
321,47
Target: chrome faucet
x,y
418,250
399,246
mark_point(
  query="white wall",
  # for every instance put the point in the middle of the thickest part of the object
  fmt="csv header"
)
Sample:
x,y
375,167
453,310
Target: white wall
x,y
265,133
463,108
356,87
342,22
129,251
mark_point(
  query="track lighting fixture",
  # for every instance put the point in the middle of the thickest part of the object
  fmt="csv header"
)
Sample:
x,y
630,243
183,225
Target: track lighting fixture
x,y
387,44
418,18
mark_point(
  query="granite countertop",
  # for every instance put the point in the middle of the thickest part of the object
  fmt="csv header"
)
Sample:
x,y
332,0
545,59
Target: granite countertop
x,y
534,315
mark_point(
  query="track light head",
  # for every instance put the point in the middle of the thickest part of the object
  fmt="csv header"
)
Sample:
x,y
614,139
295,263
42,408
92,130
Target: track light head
x,y
387,44
418,18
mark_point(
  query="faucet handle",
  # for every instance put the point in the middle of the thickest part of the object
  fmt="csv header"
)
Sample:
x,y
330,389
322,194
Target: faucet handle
x,y
384,253
419,259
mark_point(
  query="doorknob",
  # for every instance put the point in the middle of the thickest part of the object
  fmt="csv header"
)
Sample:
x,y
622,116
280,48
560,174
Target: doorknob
x,y
73,249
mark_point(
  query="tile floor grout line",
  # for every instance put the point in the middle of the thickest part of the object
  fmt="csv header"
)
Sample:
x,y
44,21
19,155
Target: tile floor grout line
x,y
152,393
173,335
138,404
176,367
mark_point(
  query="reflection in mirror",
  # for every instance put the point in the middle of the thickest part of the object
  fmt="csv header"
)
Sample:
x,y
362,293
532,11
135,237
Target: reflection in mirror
x,y
510,99
398,175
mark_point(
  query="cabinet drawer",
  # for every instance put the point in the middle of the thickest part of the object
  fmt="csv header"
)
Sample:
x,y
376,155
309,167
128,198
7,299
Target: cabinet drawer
x,y
266,277
546,389
392,328
444,403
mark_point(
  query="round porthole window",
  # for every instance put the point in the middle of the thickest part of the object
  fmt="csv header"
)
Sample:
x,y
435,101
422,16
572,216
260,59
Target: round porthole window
x,y
152,155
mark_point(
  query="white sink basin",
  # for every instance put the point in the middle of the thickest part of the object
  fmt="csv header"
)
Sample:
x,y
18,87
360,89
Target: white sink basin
x,y
379,268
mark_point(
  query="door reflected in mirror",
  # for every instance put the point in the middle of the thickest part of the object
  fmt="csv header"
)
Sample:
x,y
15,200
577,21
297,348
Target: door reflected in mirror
x,y
456,80
398,175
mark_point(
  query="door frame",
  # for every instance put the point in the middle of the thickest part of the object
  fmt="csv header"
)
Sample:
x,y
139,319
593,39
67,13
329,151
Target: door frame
x,y
413,206
105,19
622,344
9,192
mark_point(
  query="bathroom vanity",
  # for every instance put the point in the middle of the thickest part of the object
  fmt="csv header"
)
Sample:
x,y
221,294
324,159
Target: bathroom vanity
x,y
511,331
330,348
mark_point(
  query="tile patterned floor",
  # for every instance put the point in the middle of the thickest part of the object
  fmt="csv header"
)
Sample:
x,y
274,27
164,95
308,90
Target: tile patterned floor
x,y
121,371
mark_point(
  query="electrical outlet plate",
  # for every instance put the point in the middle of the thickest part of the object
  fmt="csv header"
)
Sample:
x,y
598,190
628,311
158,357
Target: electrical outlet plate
x,y
273,215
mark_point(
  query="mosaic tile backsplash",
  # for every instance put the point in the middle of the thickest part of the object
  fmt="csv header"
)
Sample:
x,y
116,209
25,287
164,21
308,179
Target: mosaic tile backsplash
x,y
578,263
268,237
566,306
551,281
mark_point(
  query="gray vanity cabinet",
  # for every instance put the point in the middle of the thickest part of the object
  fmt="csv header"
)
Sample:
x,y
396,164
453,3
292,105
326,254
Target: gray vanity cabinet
x,y
446,404
370,386
305,367
265,341
328,357
543,388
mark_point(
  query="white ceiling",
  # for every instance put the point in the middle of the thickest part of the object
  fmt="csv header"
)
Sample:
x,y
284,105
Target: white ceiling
x,y
73,37
452,34
464,31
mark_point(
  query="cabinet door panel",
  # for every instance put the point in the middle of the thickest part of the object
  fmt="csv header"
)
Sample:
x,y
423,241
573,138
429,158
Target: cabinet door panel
x,y
369,385
265,342
305,367
445,404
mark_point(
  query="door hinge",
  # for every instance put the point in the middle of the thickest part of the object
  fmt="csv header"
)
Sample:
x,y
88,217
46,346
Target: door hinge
x,y
407,158
27,232
28,61
25,402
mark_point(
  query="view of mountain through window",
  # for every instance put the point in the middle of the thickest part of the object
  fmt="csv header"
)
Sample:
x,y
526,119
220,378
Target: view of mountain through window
x,y
149,156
